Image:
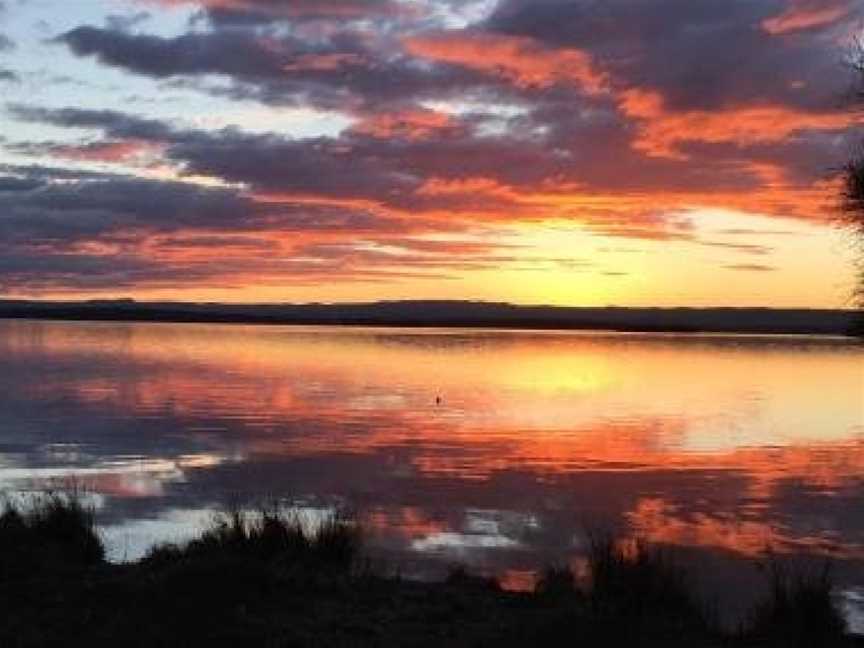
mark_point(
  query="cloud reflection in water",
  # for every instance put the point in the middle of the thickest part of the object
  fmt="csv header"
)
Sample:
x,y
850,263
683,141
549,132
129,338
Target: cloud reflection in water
x,y
491,448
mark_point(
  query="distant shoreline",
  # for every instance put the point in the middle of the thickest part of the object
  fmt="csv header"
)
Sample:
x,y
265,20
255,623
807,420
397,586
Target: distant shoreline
x,y
456,314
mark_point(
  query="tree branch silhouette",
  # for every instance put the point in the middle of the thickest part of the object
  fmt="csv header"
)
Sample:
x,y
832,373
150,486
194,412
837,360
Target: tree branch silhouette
x,y
852,197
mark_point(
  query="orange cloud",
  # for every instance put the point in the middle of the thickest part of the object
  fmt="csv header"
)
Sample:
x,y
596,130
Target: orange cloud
x,y
488,187
521,60
661,130
798,17
656,521
107,151
413,124
632,214
324,62
325,201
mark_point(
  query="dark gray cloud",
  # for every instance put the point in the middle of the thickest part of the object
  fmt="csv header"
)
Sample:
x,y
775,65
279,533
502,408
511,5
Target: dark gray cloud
x,y
266,162
803,157
114,124
595,150
223,52
703,55
79,269
18,184
344,71
36,209
246,12
67,232
699,55
361,171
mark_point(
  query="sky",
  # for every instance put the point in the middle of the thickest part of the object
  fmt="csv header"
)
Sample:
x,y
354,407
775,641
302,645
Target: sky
x,y
573,152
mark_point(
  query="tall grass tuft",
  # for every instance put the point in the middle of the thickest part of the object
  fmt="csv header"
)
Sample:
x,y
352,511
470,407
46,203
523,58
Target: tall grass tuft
x,y
337,542
461,577
642,585
556,581
799,610
55,531
271,535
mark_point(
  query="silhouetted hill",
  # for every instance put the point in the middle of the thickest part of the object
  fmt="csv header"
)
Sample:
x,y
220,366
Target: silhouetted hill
x,y
452,313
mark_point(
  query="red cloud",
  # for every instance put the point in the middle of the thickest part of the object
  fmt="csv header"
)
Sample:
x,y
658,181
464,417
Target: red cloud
x,y
106,151
521,60
323,62
411,123
805,14
660,130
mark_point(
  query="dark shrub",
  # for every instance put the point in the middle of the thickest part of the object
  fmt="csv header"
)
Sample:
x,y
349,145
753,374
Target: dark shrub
x,y
336,542
55,532
556,581
799,610
70,526
641,586
460,576
270,536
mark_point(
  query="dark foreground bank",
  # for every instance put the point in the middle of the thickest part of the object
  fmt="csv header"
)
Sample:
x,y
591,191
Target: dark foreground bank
x,y
265,579
761,321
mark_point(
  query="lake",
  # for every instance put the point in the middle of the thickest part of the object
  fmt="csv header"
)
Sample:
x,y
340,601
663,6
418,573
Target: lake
x,y
494,449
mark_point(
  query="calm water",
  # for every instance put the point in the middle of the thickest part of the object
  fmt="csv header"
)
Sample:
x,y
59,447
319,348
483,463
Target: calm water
x,y
495,449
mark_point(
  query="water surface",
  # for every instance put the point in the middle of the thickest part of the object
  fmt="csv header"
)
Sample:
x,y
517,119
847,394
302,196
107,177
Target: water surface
x,y
491,448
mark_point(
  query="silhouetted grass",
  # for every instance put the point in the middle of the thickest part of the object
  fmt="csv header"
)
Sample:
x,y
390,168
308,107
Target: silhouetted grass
x,y
634,594
799,610
272,578
556,581
460,576
637,580
54,531
270,535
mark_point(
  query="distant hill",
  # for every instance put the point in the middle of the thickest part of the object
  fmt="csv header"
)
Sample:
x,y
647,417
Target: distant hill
x,y
452,313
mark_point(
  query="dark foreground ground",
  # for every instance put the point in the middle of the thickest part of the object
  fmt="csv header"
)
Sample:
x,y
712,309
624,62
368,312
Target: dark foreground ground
x,y
265,580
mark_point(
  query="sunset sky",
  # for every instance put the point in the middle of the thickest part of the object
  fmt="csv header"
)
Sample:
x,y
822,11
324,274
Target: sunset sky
x,y
580,152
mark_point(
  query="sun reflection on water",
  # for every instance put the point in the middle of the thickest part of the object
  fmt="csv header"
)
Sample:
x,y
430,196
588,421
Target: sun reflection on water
x,y
492,448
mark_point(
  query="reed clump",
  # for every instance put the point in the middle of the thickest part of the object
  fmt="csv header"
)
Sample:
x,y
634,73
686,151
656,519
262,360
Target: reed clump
x,y
271,577
51,532
799,610
270,535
